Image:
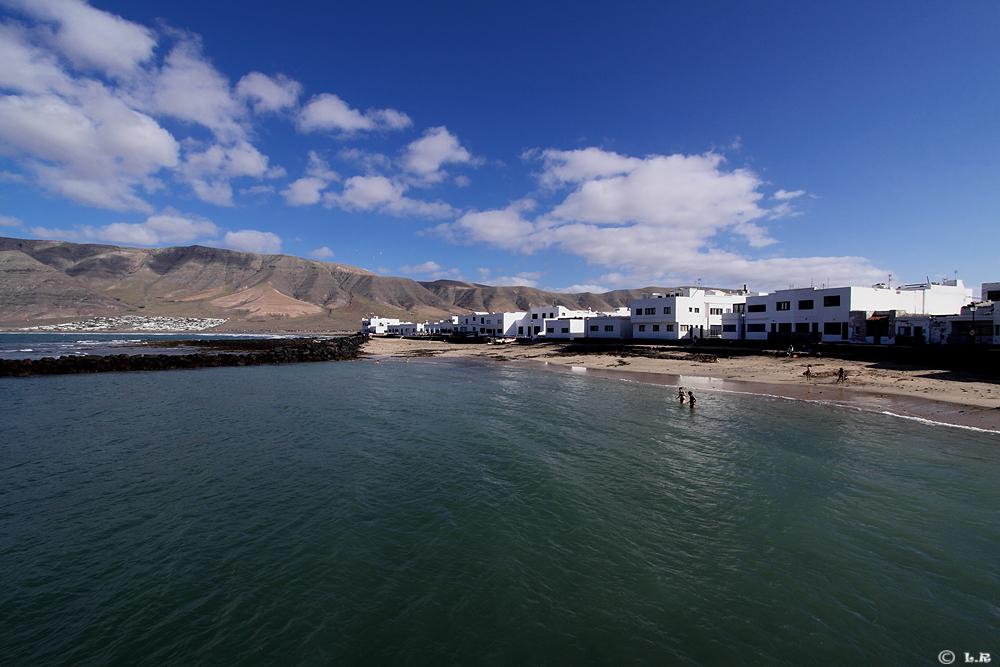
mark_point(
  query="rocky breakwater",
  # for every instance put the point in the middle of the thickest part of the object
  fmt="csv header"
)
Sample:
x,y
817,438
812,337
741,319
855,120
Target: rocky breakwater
x,y
245,352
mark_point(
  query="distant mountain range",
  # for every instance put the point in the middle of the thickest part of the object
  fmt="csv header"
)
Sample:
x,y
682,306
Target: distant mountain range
x,y
43,282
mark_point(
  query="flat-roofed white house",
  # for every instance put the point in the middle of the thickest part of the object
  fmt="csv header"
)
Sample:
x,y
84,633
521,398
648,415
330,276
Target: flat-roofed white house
x,y
684,312
406,328
533,323
609,326
444,327
856,314
490,324
978,323
377,325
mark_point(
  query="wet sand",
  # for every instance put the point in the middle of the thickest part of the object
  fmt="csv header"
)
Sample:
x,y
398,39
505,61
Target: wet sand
x,y
961,399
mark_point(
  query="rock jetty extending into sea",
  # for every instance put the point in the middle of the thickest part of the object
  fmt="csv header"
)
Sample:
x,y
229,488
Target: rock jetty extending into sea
x,y
219,353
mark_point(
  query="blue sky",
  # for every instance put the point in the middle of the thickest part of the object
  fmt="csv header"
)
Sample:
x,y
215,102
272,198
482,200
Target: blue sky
x,y
566,146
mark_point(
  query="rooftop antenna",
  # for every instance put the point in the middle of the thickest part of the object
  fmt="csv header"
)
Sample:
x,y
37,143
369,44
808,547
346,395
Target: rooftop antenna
x,y
811,282
889,284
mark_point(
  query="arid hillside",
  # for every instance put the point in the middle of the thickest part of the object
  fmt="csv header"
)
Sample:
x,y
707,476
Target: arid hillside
x,y
43,282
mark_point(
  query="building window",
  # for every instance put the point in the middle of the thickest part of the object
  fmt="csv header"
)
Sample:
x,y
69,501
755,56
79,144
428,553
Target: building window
x,y
642,327
904,331
537,329
549,330
638,311
715,330
755,328
685,327
806,304
830,301
784,305
609,327
785,327
520,330
729,328
802,327
714,311
666,310
756,307
534,316
656,327
565,329
697,310
831,328
670,327
594,327
651,311
774,327
690,310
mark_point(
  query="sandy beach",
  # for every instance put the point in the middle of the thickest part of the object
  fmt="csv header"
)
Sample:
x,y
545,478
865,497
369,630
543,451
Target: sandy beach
x,y
950,397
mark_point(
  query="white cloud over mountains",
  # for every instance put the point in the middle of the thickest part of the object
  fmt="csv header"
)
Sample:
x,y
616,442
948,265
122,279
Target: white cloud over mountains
x,y
85,101
108,113
169,227
657,218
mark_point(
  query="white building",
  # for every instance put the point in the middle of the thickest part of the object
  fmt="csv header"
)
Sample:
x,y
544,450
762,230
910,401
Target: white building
x,y
490,324
685,312
609,326
444,327
533,323
406,329
856,314
377,325
977,323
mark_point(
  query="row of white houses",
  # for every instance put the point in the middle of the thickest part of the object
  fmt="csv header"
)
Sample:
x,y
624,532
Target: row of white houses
x,y
925,313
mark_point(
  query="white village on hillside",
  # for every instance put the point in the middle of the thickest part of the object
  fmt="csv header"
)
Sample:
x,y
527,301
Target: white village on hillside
x,y
930,313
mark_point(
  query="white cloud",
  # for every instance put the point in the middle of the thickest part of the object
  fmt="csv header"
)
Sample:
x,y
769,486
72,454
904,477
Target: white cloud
x,y
447,274
504,228
96,142
328,112
369,161
579,289
785,194
257,190
653,218
267,94
323,253
426,267
9,221
424,157
251,240
169,227
562,167
378,193
91,38
209,172
462,181
307,190
523,279
189,88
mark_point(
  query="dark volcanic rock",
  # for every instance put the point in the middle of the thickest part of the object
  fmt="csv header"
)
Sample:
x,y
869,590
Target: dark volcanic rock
x,y
228,353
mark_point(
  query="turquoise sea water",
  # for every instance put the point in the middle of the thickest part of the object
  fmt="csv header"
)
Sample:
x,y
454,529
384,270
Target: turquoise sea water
x,y
460,513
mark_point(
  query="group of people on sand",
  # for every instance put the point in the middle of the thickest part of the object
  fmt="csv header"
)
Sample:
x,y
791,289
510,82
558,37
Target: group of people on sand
x,y
690,397
841,376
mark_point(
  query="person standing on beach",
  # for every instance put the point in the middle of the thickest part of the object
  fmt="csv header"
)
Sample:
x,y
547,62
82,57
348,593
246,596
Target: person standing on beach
x,y
809,371
840,376
680,394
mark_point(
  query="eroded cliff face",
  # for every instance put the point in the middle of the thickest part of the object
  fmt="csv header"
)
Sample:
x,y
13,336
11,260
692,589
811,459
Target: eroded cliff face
x,y
49,281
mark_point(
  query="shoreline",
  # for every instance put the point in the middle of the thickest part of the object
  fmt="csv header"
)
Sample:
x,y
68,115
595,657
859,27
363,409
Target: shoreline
x,y
907,393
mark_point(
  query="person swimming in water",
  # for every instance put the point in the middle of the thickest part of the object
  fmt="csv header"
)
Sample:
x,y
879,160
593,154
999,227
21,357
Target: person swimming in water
x,y
691,398
680,394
